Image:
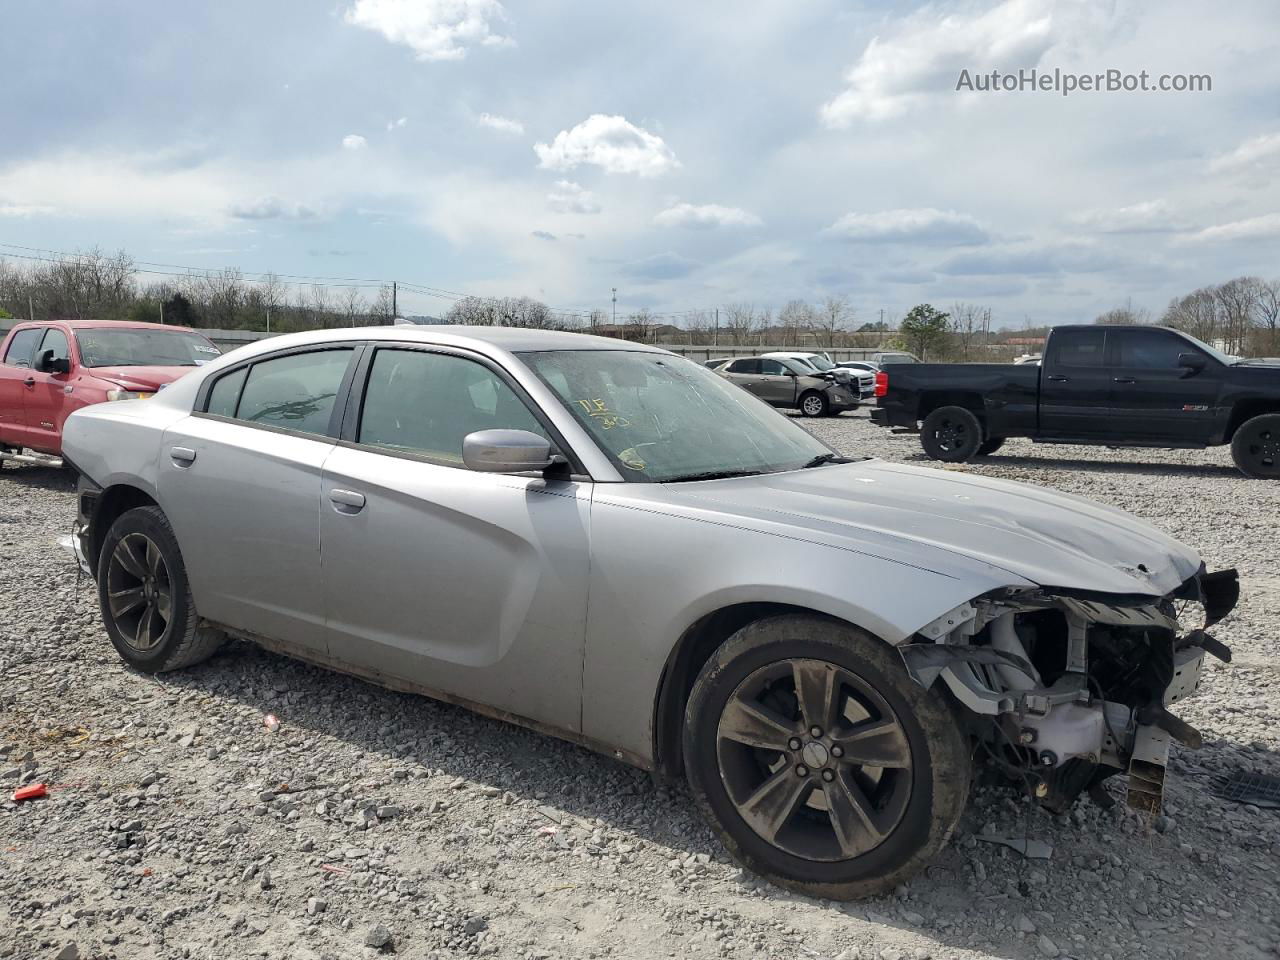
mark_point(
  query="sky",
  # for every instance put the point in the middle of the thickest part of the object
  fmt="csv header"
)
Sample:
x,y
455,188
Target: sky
x,y
688,155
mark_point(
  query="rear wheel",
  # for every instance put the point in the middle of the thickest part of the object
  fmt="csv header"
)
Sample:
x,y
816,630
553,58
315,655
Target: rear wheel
x,y
814,405
951,434
145,599
989,446
819,762
1255,448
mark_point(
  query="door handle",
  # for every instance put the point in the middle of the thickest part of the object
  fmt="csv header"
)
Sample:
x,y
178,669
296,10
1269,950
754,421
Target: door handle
x,y
1123,380
1057,378
29,382
182,456
353,501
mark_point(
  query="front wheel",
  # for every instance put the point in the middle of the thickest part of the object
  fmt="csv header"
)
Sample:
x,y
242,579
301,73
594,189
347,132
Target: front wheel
x,y
1255,448
819,762
951,434
145,599
814,405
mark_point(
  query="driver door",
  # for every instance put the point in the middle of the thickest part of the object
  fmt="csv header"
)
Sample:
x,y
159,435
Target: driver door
x,y
470,585
48,400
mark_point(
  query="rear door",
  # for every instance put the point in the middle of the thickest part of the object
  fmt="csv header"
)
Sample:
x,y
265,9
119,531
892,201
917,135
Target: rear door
x,y
745,373
16,381
1076,385
473,585
48,401
240,482
1155,399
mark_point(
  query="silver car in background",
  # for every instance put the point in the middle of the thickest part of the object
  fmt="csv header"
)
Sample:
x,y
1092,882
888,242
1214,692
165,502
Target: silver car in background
x,y
615,545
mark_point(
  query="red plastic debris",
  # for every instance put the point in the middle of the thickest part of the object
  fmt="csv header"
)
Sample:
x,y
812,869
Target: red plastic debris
x,y
33,791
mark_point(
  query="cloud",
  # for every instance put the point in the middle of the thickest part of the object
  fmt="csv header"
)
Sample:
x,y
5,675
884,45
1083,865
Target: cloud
x,y
501,124
1152,216
1032,261
1257,153
706,215
925,226
661,266
433,29
353,141
543,235
397,124
568,197
923,55
270,208
611,143
1264,227
23,209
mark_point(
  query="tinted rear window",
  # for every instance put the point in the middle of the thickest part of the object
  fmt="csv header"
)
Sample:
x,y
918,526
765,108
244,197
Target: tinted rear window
x,y
1079,348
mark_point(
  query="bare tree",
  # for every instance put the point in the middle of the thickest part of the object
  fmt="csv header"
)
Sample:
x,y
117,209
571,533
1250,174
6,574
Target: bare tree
x,y
1269,315
1197,314
741,322
832,318
1238,301
1127,314
794,320
969,324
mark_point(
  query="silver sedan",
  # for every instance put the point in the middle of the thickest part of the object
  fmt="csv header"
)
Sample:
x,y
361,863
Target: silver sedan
x,y
611,543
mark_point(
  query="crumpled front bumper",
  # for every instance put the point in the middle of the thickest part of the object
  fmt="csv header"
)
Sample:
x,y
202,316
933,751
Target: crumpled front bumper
x,y
1065,726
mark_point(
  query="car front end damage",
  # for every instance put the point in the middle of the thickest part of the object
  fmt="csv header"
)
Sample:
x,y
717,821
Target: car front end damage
x,y
1063,688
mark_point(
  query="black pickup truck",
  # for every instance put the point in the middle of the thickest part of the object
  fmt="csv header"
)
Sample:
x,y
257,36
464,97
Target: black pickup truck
x,y
1117,386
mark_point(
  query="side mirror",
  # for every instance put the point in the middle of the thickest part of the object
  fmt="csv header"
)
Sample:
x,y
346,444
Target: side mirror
x,y
47,363
1191,363
506,451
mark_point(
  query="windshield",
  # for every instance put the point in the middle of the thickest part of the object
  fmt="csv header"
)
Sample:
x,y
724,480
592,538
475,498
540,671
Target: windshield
x,y
662,418
136,347
819,362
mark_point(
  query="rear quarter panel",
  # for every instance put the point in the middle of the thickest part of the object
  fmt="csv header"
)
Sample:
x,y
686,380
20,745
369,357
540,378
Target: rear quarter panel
x,y
118,442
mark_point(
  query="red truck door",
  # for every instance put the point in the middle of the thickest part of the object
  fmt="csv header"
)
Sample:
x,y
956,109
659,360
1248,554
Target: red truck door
x,y
16,381
48,400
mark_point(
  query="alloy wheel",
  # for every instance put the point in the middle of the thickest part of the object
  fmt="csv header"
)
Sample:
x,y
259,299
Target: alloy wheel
x,y
812,406
139,591
814,760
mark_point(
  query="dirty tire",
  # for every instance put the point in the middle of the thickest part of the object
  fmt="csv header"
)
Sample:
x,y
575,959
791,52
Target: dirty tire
x,y
814,404
951,434
989,446
1255,447
183,641
925,798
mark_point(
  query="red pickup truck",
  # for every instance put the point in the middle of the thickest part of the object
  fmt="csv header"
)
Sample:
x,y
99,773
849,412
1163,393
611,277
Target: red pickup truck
x,y
47,370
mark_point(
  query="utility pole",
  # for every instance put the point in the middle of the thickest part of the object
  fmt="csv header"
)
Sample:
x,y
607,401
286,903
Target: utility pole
x,y
615,307
268,318
31,308
395,309
715,336
162,311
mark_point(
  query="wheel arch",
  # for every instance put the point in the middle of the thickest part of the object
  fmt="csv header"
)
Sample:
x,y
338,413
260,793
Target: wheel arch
x,y
106,507
1245,410
931,400
691,651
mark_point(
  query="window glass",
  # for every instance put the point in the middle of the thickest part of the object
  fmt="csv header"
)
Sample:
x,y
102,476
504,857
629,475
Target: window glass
x,y
772,368
22,346
1150,350
745,366
1079,348
660,417
55,340
295,392
143,347
225,393
427,403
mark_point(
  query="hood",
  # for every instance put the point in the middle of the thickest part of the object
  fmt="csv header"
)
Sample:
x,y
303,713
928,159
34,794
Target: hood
x,y
929,516
143,379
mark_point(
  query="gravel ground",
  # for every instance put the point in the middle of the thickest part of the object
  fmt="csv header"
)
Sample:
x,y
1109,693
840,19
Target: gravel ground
x,y
369,822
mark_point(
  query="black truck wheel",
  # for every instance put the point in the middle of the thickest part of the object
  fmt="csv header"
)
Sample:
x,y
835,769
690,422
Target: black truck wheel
x,y
951,434
990,446
1256,447
819,762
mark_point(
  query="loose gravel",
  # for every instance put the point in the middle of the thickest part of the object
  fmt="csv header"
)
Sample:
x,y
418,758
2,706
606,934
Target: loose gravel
x,y
371,823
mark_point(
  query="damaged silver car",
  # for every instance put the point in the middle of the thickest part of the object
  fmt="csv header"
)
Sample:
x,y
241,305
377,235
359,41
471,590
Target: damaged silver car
x,y
612,544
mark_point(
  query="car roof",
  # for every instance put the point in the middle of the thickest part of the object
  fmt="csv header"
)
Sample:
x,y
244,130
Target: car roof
x,y
487,340
116,324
